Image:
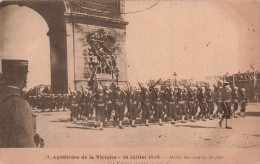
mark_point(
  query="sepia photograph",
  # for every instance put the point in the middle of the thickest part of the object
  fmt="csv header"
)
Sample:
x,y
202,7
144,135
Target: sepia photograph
x,y
129,81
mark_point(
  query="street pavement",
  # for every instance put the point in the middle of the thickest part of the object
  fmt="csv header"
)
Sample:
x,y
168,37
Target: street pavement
x,y
59,132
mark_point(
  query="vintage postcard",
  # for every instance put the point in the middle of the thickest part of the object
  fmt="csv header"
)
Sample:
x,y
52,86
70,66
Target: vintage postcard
x,y
129,81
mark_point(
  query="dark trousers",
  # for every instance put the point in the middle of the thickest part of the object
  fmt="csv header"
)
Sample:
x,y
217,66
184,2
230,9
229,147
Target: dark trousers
x,y
146,109
100,113
109,111
119,109
243,107
86,111
192,109
227,109
220,109
203,109
158,111
73,111
182,109
172,112
235,106
132,111
210,107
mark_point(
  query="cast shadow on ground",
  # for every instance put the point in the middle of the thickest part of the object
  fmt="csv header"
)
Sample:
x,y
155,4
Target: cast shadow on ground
x,y
253,114
62,120
197,126
84,128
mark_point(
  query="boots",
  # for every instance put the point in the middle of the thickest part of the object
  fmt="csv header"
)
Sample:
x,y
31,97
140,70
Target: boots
x,y
120,125
192,119
160,122
182,119
146,122
101,125
173,122
133,123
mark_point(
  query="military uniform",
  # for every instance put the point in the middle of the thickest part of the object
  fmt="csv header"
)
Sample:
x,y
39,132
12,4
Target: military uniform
x,y
181,99
203,104
191,103
132,100
101,106
210,103
157,97
109,104
90,104
74,107
17,124
119,105
226,102
218,99
146,106
235,97
243,102
172,105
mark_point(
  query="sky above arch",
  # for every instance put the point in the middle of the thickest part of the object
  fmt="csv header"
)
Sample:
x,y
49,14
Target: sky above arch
x,y
193,38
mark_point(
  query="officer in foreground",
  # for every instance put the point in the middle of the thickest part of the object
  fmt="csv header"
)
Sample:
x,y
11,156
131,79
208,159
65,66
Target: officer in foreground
x,y
17,128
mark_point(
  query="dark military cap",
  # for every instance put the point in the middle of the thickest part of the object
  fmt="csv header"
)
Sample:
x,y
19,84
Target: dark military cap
x,y
14,66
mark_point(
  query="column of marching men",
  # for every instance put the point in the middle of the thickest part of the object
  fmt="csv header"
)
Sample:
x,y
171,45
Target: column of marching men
x,y
156,104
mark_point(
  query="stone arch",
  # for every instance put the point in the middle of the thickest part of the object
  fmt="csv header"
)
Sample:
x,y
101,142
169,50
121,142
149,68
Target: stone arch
x,y
53,14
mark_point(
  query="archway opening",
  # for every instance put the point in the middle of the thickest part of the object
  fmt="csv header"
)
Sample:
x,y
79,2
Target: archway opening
x,y
23,36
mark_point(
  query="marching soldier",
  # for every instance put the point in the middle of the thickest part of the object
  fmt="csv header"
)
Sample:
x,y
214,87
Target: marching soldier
x,y
90,104
74,107
196,93
34,102
145,105
181,104
235,101
202,103
109,104
100,107
17,122
218,99
157,97
132,99
172,105
52,102
83,105
59,102
119,106
243,102
191,103
226,104
210,103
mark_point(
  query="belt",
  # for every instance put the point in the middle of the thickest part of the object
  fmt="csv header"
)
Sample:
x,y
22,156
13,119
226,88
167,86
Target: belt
x,y
101,104
74,104
109,102
227,101
235,100
119,103
171,102
181,102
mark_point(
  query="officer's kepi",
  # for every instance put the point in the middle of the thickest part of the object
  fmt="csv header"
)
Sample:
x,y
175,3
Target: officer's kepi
x,y
14,66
